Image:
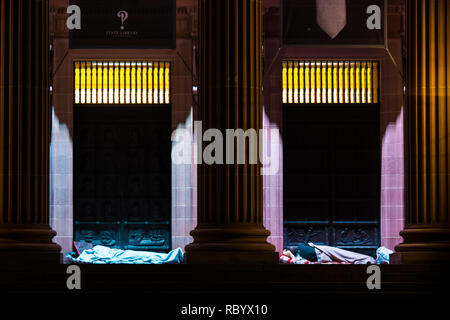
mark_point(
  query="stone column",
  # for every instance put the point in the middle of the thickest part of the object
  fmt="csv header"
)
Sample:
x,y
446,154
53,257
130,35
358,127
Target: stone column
x,y
25,235
427,231
230,216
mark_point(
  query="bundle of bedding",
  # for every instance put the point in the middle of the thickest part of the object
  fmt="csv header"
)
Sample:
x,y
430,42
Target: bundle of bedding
x,y
286,260
321,254
105,255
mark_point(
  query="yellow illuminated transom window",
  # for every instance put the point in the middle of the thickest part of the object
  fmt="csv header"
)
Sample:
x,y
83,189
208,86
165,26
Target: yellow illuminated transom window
x,y
122,82
313,81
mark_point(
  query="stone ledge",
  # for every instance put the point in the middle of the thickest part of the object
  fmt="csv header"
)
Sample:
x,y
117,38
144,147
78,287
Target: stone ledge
x,y
229,257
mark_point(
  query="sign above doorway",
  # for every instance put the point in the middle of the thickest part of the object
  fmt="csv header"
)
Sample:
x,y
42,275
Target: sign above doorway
x,y
119,24
333,23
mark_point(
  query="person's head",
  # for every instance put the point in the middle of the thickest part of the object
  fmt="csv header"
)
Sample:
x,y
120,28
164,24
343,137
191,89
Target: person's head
x,y
306,252
288,254
292,249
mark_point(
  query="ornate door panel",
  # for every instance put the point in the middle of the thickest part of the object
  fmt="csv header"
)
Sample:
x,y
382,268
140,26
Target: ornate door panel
x,y
332,175
122,176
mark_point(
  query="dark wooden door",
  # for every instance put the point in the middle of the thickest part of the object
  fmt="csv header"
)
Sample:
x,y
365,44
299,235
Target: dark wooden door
x,y
332,176
122,181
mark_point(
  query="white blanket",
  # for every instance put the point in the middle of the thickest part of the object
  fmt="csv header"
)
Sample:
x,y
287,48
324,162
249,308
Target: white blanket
x,y
104,255
328,254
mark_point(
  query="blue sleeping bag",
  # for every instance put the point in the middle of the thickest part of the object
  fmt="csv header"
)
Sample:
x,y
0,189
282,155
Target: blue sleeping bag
x,y
105,255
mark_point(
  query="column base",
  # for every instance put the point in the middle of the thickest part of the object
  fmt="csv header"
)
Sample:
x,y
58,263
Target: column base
x,y
231,257
423,245
420,257
21,244
230,244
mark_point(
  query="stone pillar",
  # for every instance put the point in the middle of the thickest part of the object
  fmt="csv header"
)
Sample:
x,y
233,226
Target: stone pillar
x,y
230,216
427,231
25,235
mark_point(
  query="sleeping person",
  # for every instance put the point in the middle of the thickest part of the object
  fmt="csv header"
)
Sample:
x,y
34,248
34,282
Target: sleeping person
x,y
325,254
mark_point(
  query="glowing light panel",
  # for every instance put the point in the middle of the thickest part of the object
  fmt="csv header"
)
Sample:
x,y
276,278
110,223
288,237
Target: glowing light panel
x,y
122,82
343,82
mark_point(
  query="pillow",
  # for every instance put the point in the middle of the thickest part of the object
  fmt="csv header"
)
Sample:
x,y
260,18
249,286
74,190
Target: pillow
x,y
80,246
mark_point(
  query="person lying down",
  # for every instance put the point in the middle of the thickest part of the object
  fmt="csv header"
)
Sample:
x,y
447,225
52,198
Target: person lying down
x,y
307,253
